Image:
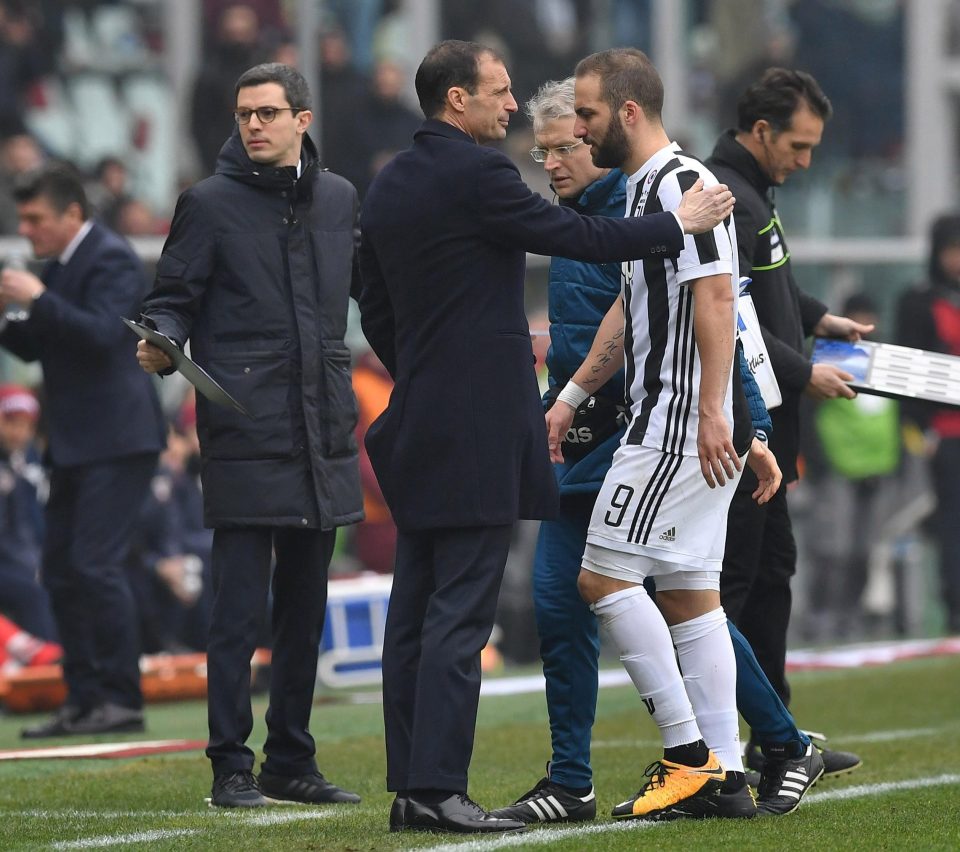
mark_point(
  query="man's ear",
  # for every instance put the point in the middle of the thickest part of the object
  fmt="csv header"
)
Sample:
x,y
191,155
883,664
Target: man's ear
x,y
762,131
457,98
304,120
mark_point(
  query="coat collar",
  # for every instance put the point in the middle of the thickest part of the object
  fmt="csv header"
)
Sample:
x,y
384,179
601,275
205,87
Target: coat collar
x,y
729,152
434,127
233,162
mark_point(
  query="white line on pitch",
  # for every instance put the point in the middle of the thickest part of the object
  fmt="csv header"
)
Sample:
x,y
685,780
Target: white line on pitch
x,y
547,836
125,839
888,736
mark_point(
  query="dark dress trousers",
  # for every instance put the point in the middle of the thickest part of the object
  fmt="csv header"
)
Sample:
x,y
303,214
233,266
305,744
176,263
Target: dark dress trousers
x,y
461,450
105,432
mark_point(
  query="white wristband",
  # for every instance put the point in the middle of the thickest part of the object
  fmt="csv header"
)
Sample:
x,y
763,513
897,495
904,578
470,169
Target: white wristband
x,y
573,395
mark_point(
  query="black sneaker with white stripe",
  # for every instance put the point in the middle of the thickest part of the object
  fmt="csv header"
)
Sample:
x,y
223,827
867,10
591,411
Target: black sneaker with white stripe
x,y
311,789
783,783
549,802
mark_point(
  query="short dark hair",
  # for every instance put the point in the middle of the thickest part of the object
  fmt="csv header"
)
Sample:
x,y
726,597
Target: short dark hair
x,y
294,83
626,74
777,95
447,64
59,183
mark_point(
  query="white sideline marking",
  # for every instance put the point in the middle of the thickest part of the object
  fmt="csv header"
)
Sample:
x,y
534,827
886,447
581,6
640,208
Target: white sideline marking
x,y
125,839
879,789
545,836
542,837
887,736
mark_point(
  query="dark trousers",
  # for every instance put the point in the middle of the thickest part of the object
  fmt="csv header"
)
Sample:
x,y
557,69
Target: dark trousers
x,y
241,581
91,516
758,562
441,612
569,639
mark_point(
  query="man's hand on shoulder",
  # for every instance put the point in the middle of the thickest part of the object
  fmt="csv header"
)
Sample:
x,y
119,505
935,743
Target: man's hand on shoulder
x,y
701,210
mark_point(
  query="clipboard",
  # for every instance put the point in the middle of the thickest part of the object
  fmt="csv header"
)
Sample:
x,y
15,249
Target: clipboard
x,y
191,371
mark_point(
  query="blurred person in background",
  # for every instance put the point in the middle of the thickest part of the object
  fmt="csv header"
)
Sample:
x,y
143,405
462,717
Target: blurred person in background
x,y
780,121
375,537
235,49
387,124
105,431
22,597
928,317
851,458
20,153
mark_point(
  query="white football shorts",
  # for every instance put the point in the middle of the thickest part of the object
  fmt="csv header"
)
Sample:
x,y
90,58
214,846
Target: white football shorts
x,y
655,515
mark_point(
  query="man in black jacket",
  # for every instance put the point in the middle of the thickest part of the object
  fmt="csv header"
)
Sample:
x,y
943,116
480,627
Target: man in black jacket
x,y
461,451
780,120
256,273
106,430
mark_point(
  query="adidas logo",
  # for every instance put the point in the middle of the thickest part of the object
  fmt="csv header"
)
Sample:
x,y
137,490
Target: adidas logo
x,y
669,535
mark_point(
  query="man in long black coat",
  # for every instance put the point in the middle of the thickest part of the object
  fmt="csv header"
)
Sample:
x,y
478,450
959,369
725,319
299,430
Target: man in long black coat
x,y
461,451
256,273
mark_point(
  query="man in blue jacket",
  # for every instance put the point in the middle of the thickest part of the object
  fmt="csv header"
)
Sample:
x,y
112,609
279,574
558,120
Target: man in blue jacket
x,y
106,431
461,450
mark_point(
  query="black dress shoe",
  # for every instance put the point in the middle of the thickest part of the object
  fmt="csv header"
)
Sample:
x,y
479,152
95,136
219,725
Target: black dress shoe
x,y
397,811
56,726
107,719
458,814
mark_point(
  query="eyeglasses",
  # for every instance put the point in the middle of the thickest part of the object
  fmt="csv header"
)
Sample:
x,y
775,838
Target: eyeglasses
x,y
264,114
540,154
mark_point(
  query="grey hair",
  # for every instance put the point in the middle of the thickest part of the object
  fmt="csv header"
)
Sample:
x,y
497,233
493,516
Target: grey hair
x,y
554,99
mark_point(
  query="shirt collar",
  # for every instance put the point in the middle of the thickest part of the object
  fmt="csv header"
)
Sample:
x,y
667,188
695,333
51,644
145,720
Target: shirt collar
x,y
74,244
657,161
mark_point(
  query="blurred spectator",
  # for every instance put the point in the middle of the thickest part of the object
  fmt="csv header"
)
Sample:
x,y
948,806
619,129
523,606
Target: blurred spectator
x,y
21,595
387,124
374,538
929,318
344,90
170,571
235,49
269,14
855,49
108,191
19,153
852,459
358,19
136,219
18,648
22,60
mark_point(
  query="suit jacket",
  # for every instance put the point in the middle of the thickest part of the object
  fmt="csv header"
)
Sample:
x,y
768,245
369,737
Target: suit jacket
x,y
445,230
99,404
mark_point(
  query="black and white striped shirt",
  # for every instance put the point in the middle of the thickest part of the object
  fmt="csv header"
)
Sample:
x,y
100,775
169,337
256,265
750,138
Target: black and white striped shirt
x,y
662,361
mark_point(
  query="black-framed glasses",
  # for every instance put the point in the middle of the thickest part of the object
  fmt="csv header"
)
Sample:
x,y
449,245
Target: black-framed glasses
x,y
265,114
540,154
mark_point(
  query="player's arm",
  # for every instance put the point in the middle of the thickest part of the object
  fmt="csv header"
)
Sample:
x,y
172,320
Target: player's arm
x,y
713,325
602,362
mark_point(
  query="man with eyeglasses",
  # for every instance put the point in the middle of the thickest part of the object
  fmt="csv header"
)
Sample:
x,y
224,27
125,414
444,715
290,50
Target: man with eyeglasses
x,y
256,274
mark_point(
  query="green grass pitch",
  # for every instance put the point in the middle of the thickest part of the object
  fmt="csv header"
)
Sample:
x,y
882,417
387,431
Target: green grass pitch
x,y
903,719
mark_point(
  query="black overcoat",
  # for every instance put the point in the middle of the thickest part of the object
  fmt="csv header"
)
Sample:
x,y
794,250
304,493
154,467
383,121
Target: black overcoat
x,y
445,230
256,273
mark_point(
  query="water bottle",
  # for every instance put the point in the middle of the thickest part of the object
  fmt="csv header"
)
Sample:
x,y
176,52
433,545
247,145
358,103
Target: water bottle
x,y
16,313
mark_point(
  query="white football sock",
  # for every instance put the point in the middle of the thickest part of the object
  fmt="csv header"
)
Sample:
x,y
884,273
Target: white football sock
x,y
705,654
637,630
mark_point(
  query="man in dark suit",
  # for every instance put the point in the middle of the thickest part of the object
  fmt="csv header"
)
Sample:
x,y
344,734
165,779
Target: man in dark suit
x,y
461,451
105,432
